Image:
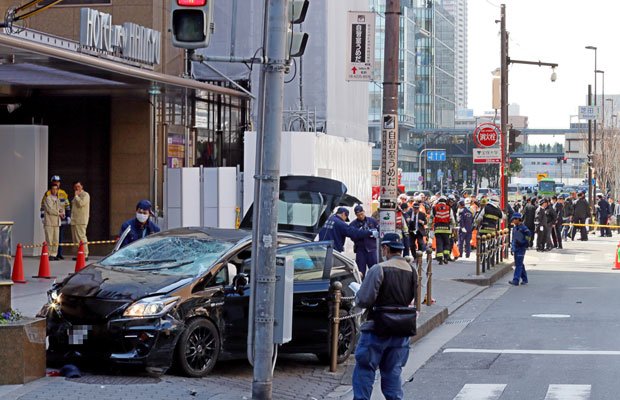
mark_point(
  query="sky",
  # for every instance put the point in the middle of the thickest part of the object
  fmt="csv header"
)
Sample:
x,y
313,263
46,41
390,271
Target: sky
x,y
553,31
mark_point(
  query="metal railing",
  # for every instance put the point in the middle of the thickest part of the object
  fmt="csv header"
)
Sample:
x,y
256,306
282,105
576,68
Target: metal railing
x,y
492,249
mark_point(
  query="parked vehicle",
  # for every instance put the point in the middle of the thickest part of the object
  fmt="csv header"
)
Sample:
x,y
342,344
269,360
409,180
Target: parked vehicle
x,y
181,297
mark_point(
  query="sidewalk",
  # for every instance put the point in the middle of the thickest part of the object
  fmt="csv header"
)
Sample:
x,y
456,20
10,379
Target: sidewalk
x,y
295,377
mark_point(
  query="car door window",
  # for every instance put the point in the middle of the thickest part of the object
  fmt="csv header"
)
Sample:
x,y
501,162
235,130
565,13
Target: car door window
x,y
311,261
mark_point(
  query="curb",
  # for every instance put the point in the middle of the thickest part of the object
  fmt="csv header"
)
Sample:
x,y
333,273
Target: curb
x,y
430,323
489,277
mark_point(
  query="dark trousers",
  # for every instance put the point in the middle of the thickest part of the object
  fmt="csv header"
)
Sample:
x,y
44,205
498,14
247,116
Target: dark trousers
x,y
443,245
603,230
532,229
582,229
406,243
61,236
465,241
557,237
417,243
520,272
541,237
365,259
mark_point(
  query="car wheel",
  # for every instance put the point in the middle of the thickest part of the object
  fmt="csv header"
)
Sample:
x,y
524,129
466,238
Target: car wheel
x,y
347,337
198,348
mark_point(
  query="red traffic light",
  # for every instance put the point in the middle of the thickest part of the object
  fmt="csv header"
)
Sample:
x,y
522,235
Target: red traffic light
x,y
192,3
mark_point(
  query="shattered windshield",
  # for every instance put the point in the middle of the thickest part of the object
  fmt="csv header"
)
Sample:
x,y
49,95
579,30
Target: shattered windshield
x,y
169,255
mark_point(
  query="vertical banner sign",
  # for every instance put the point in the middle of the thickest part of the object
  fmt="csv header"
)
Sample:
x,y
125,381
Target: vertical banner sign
x,y
361,47
389,158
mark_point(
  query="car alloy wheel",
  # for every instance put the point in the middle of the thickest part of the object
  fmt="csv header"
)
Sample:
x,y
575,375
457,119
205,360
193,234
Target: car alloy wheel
x,y
198,348
347,337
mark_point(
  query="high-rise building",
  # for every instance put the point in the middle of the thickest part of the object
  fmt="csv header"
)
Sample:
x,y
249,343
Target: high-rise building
x,y
458,9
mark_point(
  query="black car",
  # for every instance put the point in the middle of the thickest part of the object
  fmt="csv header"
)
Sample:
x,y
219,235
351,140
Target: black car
x,y
181,297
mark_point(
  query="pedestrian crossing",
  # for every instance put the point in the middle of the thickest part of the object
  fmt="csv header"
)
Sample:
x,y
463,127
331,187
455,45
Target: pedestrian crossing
x,y
494,392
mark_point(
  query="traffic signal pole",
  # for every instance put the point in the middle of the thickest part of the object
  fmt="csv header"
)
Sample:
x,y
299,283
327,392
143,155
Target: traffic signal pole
x,y
266,195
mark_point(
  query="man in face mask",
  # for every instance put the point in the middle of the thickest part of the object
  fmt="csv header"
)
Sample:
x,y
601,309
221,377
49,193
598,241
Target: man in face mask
x,y
140,226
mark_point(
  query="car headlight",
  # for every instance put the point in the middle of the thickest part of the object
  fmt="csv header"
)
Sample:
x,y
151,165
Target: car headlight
x,y
150,307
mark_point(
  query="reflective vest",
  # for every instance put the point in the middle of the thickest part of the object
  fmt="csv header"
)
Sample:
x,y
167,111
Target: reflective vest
x,y
490,219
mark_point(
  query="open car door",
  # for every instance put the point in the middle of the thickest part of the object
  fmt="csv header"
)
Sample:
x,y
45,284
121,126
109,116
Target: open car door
x,y
305,203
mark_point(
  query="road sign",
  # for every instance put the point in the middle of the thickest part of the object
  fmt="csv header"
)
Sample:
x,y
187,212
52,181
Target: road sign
x,y
589,112
389,157
487,156
486,135
436,155
387,222
361,48
387,203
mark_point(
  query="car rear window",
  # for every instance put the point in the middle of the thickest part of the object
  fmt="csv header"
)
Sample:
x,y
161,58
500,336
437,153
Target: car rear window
x,y
300,208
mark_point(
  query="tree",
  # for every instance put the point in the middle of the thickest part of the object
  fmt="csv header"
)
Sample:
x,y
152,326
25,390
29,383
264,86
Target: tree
x,y
514,167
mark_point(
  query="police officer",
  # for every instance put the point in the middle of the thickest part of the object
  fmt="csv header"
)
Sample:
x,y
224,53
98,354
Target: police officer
x,y
390,283
337,230
542,226
365,248
520,242
140,226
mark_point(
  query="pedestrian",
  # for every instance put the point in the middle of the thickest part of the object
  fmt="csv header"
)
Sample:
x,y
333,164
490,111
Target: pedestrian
x,y
140,226
604,211
402,221
465,221
529,215
53,212
417,229
391,283
580,214
551,220
542,226
558,207
442,221
80,213
365,248
63,198
520,243
337,230
567,217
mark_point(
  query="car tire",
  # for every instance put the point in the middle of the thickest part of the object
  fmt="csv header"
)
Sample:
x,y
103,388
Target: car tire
x,y
198,348
347,338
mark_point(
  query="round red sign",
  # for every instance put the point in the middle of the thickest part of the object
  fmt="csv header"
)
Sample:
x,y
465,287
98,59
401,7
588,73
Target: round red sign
x,y
486,135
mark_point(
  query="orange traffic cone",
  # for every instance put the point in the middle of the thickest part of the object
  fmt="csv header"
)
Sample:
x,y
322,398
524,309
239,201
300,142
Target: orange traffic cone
x,y
80,262
18,266
44,264
617,264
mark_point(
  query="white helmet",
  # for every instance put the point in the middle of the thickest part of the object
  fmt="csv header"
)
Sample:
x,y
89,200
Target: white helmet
x,y
494,199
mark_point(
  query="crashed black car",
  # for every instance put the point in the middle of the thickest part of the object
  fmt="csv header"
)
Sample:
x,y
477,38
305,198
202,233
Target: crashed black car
x,y
181,297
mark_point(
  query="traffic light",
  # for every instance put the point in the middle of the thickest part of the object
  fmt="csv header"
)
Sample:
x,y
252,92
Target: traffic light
x,y
513,134
296,41
191,23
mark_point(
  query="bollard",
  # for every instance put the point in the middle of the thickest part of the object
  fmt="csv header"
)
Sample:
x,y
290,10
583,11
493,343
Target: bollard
x,y
336,287
419,259
508,241
429,276
497,248
485,258
478,256
429,283
502,238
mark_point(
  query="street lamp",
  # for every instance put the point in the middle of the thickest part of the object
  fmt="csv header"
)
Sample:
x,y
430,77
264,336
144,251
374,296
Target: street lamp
x,y
598,71
595,51
612,110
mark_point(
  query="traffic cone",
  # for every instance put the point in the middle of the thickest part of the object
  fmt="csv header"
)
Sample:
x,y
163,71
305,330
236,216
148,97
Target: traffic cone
x,y
18,266
80,262
617,264
44,264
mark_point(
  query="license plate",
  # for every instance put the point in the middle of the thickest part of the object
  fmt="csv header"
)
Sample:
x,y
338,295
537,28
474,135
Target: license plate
x,y
78,333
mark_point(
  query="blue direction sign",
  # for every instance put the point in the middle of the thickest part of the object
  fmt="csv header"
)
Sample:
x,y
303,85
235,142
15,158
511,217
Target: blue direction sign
x,y
436,155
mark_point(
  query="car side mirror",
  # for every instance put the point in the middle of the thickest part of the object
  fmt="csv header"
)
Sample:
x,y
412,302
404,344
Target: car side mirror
x,y
240,281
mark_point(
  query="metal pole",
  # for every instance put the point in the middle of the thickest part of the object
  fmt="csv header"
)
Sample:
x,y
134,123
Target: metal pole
x,y
504,106
590,150
333,360
187,70
267,185
389,134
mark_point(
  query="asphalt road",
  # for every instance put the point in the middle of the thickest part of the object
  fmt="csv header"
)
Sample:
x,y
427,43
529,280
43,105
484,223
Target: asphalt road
x,y
556,338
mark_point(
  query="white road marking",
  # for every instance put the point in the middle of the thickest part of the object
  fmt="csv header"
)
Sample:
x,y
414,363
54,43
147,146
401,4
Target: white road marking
x,y
538,352
480,392
568,392
551,315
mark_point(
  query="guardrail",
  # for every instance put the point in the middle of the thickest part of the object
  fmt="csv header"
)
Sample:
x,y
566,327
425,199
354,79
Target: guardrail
x,y
492,249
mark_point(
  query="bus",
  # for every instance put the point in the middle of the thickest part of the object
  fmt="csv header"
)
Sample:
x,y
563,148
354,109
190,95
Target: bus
x,y
546,187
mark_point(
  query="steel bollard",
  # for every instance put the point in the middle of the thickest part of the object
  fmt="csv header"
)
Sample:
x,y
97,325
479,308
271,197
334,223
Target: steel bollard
x,y
429,276
419,259
478,254
485,253
502,237
496,238
336,287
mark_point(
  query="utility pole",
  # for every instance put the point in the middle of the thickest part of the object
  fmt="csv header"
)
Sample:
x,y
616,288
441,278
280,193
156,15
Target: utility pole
x,y
389,132
266,195
590,160
503,186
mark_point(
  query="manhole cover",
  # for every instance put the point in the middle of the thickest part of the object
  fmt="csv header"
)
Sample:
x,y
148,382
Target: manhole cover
x,y
116,380
458,321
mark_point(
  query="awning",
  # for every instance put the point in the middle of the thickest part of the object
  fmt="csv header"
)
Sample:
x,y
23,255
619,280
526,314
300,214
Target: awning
x,y
22,59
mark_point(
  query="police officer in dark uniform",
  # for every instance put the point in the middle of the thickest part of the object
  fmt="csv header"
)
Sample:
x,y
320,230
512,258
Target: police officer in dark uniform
x,y
337,230
520,242
365,248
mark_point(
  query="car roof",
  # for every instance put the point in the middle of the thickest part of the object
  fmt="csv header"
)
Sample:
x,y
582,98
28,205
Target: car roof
x,y
221,234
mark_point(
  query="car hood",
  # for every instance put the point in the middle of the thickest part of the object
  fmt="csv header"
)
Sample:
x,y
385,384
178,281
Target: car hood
x,y
325,193
112,283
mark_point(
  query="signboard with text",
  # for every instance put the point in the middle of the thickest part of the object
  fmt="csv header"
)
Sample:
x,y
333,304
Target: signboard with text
x,y
487,156
486,135
389,157
361,47
436,155
387,222
589,112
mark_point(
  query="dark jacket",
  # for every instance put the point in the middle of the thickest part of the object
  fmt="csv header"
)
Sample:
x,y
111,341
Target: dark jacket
x,y
422,221
551,215
582,209
529,213
521,236
336,230
559,211
390,283
603,210
466,219
367,243
569,208
138,231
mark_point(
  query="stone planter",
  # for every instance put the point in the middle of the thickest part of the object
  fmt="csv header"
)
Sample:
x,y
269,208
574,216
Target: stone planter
x,y
22,351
